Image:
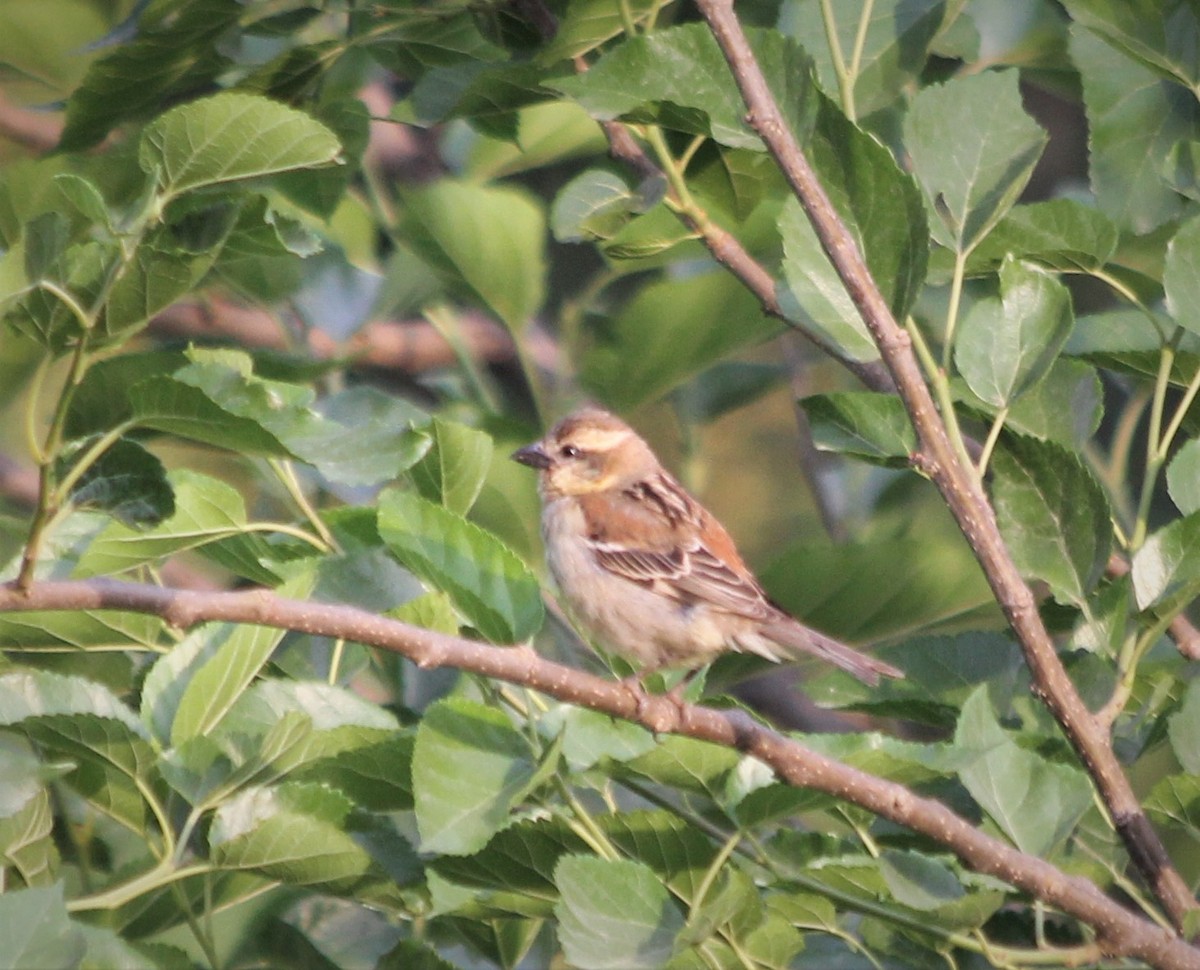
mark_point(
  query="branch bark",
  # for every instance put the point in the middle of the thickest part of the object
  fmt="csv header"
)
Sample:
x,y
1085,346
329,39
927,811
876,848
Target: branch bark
x,y
1119,932
937,458
412,346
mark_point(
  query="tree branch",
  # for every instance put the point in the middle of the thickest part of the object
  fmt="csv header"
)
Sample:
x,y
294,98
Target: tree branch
x,y
1119,932
938,459
413,346
727,250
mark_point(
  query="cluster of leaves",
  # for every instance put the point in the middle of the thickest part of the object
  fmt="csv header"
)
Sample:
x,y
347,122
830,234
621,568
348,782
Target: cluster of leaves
x,y
227,795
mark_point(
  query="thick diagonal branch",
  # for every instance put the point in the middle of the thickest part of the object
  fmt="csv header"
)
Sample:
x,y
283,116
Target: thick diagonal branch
x,y
1119,931
937,459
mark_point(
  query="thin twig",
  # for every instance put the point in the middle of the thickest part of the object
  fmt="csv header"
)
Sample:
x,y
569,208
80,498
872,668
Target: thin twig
x,y
938,459
1119,931
727,250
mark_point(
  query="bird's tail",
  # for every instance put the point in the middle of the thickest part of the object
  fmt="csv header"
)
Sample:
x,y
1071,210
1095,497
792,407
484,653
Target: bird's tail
x,y
799,639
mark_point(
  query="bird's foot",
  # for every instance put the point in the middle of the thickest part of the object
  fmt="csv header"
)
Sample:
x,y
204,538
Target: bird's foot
x,y
660,713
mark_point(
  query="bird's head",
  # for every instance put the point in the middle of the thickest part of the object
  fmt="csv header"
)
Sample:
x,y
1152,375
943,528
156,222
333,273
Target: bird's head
x,y
588,451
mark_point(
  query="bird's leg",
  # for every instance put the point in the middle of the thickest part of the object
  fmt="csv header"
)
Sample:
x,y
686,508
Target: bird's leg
x,y
676,693
636,685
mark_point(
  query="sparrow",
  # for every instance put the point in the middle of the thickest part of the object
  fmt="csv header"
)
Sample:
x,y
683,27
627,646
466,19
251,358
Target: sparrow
x,y
646,569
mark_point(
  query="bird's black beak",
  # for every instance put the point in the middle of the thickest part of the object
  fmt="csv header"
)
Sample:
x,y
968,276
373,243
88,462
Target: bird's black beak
x,y
532,455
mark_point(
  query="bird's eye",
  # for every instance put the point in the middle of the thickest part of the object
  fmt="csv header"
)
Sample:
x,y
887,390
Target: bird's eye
x,y
570,451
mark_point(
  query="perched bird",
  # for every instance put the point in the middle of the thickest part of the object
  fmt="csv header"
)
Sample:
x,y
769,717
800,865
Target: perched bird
x,y
646,568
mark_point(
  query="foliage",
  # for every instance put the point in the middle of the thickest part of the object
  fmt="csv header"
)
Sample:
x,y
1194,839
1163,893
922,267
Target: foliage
x,y
231,795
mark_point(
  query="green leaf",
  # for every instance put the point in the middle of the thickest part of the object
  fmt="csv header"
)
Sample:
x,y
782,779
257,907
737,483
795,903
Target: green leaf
x,y
595,205
614,915
1182,169
487,581
86,197
871,426
412,955
378,776
220,681
42,694
590,737
26,821
487,239
1175,801
294,833
176,406
27,844
1035,802
882,207
1006,345
894,44
1053,515
677,77
174,54
37,629
518,860
165,267
688,764
489,96
1183,477
80,270
173,675
1180,276
101,401
322,190
589,23
37,931
1159,35
368,437
670,330
1061,234
470,768
1134,120
1065,407
83,721
126,481
455,467
678,852
216,399
1168,561
973,149
430,611
920,882
231,137
439,38
653,238
1184,729
205,510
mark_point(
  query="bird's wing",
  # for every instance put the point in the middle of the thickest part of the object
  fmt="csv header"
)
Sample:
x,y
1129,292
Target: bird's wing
x,y
653,533
687,575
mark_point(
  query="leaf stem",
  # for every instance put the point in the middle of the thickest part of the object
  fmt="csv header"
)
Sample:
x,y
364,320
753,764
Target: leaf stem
x,y
446,323
1132,652
990,443
836,56
335,660
952,308
860,43
163,874
48,453
285,471
1154,458
935,375
87,460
